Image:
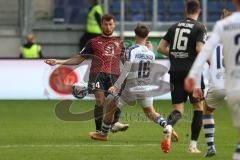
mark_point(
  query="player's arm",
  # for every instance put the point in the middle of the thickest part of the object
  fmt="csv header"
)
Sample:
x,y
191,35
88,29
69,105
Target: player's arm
x,y
124,73
76,60
117,85
199,47
201,59
163,47
123,58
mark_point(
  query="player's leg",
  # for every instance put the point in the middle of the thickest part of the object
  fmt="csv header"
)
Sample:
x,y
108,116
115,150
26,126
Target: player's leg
x,y
116,125
111,106
196,124
209,129
236,155
234,105
214,100
176,114
96,87
157,118
178,97
147,105
98,110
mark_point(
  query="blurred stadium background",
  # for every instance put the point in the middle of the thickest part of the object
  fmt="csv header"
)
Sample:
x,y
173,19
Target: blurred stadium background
x,y
58,24
30,130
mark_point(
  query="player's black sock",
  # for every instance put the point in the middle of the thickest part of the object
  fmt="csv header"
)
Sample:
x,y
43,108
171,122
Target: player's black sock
x,y
174,117
196,125
117,115
98,115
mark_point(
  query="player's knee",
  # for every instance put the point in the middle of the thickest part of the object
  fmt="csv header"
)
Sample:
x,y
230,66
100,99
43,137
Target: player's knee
x,y
99,102
207,110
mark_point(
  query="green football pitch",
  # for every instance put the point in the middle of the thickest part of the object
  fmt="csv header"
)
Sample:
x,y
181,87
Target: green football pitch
x,y
30,130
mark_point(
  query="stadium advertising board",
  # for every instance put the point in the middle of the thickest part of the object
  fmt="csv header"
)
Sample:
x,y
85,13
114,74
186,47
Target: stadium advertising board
x,y
33,79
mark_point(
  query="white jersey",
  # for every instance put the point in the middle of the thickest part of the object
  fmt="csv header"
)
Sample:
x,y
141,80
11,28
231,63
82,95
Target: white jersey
x,y
226,32
217,70
140,58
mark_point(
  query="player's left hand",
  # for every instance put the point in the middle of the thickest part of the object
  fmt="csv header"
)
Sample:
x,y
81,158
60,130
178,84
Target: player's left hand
x,y
189,84
198,94
112,90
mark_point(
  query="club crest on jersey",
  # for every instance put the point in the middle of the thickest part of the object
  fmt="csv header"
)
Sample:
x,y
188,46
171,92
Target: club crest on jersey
x,y
110,48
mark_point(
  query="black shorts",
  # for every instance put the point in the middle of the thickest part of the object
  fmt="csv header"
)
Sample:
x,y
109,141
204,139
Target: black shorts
x,y
178,93
101,81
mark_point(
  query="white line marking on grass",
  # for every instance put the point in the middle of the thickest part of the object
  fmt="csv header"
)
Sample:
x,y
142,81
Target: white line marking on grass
x,y
66,145
90,145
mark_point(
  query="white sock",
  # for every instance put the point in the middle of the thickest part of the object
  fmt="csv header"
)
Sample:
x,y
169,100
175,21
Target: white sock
x,y
193,143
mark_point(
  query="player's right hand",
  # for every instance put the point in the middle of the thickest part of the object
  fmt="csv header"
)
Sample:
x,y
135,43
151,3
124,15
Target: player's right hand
x,y
189,84
51,62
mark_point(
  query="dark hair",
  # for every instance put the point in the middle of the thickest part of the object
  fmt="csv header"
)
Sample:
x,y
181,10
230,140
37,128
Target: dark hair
x,y
108,17
142,30
225,13
192,6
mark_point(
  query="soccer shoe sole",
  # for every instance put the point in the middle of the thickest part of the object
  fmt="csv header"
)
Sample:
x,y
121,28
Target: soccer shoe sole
x,y
165,145
97,136
121,130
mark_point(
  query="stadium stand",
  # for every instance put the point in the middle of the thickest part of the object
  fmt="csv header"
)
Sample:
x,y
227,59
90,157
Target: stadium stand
x,y
9,13
74,11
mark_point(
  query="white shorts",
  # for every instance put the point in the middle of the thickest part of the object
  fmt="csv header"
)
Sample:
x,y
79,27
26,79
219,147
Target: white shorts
x,y
234,105
215,98
129,99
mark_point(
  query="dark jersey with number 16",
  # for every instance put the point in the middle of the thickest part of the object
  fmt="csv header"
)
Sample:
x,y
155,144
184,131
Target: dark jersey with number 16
x,y
182,38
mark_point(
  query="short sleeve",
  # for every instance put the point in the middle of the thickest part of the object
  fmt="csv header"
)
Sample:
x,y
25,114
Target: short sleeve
x,y
202,34
167,36
87,50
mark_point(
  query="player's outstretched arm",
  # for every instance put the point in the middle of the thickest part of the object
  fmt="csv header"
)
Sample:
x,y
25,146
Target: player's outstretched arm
x,y
71,61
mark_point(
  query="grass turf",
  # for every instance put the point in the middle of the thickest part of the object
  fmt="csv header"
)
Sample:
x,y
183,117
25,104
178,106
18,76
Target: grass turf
x,y
30,130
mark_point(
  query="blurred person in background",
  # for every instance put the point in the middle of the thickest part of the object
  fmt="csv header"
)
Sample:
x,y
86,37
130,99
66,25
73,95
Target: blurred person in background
x,y
31,50
93,28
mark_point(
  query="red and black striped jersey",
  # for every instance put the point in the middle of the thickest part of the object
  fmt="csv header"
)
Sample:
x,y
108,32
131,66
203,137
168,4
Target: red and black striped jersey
x,y
106,53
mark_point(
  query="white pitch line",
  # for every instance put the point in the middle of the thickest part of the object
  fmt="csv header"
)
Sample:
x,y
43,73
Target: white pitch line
x,y
91,145
71,145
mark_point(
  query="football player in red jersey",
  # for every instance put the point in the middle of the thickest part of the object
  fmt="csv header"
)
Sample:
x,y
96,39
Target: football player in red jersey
x,y
106,52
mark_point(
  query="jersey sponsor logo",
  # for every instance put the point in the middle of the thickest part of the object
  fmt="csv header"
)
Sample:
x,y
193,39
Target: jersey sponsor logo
x,y
180,54
110,48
